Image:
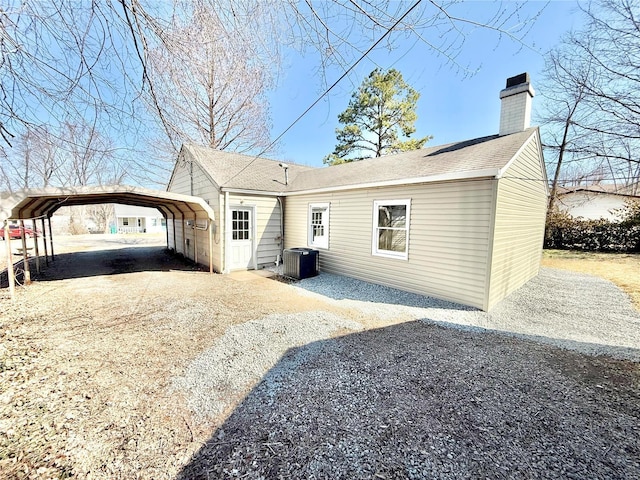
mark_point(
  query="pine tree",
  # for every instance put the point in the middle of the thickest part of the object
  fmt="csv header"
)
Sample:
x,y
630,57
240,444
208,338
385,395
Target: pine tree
x,y
380,113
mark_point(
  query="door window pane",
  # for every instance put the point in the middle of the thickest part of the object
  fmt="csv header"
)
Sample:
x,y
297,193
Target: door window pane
x,y
240,225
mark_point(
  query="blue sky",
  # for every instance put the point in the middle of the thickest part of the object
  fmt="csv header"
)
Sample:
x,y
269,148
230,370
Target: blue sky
x,y
453,106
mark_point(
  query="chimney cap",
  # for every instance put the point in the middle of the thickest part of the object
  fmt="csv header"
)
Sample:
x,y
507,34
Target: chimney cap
x,y
518,80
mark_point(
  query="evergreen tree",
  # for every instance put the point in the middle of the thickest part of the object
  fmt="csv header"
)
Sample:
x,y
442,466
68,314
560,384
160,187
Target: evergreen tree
x,y
379,115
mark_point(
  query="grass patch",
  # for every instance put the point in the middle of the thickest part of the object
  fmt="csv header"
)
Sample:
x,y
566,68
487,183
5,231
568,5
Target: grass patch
x,y
623,269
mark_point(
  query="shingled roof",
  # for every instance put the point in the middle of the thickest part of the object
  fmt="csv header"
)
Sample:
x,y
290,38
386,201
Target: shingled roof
x,y
455,160
478,157
244,172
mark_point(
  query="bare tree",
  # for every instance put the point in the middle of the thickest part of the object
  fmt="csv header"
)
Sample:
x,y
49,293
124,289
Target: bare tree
x,y
564,93
77,62
592,93
31,162
341,30
211,79
101,215
87,156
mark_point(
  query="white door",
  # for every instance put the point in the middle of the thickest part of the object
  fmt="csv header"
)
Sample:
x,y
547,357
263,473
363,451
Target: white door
x,y
241,243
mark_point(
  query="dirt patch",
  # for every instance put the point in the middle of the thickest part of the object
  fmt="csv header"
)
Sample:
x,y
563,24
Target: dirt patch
x,y
87,355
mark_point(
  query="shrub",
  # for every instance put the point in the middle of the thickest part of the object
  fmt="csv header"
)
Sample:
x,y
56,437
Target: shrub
x,y
565,232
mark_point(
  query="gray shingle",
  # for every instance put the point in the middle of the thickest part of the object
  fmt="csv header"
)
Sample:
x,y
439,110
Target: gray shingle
x,y
245,172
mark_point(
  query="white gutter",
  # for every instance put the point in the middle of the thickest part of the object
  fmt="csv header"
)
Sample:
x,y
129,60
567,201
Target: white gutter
x,y
251,192
444,177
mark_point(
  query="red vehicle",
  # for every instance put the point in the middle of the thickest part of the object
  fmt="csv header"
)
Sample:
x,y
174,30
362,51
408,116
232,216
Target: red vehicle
x,y
16,232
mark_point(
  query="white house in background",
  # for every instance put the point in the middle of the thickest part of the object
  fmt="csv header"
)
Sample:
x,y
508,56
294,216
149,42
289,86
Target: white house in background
x,y
462,222
134,219
593,202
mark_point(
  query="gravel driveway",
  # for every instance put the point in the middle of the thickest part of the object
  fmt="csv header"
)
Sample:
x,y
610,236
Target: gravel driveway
x,y
420,399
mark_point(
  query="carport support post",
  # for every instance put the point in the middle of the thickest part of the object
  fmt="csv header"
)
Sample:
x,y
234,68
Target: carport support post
x,y
25,257
44,241
35,245
53,257
210,246
11,275
173,229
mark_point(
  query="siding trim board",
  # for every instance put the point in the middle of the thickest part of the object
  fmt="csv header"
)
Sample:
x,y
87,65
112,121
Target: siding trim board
x,y
492,232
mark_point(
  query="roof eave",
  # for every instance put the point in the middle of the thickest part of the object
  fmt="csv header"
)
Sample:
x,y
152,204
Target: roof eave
x,y
443,177
248,191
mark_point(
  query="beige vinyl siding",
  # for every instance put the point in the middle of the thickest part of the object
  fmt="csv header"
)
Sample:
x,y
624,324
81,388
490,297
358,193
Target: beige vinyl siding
x,y
521,206
196,249
267,228
448,237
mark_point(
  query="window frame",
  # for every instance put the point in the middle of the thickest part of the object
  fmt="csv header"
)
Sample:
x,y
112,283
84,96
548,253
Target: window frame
x,y
324,240
375,250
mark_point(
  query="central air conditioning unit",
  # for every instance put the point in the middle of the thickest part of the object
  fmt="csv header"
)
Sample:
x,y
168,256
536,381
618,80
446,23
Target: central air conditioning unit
x,y
301,263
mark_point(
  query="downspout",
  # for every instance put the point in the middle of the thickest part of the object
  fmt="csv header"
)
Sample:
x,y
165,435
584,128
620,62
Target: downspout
x,y
225,242
281,255
191,178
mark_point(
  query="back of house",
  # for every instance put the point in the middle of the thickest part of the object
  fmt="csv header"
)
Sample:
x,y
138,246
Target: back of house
x,y
463,222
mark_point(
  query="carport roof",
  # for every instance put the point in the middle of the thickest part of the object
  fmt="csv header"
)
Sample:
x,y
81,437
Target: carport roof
x,y
34,203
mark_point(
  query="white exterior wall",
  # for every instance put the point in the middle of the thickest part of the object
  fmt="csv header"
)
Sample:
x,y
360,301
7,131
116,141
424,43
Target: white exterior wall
x,y
146,225
450,228
267,226
195,243
521,206
592,205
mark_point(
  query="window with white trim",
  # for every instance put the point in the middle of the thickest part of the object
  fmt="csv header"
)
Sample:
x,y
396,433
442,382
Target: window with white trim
x,y
391,228
318,235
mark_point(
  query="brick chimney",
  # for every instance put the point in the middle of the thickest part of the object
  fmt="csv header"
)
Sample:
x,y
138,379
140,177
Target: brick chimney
x,y
515,114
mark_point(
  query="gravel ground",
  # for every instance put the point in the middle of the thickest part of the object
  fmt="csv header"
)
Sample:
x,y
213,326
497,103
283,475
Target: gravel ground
x,y
132,365
421,401
569,310
215,380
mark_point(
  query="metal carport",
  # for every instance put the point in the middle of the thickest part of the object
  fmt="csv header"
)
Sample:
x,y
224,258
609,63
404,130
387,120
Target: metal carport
x,y
42,203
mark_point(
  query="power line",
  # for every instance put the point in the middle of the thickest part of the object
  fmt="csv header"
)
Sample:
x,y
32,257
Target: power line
x,y
362,57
